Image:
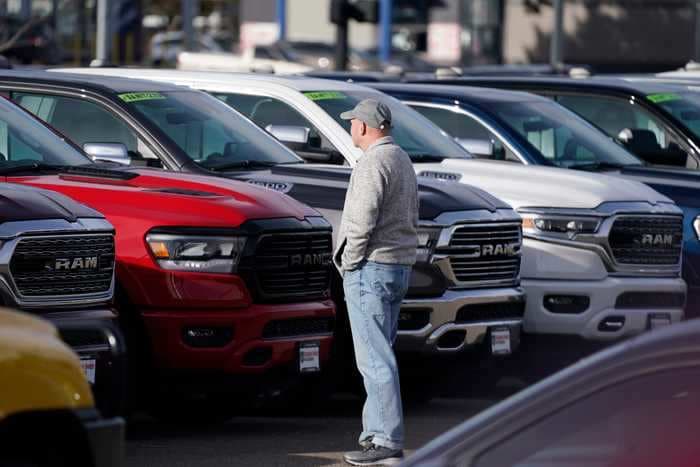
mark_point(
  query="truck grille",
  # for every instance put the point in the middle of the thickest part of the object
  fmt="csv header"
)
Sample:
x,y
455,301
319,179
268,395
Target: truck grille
x,y
486,253
63,265
292,266
650,240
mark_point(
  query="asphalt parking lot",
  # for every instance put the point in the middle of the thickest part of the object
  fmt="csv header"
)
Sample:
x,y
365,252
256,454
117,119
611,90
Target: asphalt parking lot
x,y
316,439
317,436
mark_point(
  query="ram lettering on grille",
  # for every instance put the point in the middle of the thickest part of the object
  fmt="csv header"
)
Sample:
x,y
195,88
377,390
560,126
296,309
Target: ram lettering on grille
x,y
656,240
72,264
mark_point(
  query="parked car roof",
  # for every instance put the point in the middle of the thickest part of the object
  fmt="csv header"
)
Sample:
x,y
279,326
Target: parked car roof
x,y
260,80
641,85
475,94
95,83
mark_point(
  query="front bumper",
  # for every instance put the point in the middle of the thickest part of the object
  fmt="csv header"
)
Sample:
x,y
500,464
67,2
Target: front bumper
x,y
603,296
443,313
95,336
242,342
106,438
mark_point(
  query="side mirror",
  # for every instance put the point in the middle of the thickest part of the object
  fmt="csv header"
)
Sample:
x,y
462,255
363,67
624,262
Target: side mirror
x,y
290,133
108,152
643,144
479,147
322,157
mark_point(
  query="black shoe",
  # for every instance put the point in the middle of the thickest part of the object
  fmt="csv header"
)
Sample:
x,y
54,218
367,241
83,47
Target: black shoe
x,y
374,455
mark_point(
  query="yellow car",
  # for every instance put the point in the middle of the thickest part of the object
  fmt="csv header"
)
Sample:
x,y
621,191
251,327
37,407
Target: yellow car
x,y
47,412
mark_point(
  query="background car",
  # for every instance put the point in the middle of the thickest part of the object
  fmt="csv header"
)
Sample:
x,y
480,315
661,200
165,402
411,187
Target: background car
x,y
47,412
631,405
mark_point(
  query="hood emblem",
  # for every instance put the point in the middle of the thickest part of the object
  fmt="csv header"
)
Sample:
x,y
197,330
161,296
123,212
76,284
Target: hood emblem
x,y
442,176
665,240
282,187
499,249
72,264
310,259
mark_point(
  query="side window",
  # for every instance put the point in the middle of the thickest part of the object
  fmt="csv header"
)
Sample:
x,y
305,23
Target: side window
x,y
641,132
83,121
265,111
13,148
463,127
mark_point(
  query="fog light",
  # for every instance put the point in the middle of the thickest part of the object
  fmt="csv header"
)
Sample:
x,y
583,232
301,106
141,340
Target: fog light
x,y
566,304
207,336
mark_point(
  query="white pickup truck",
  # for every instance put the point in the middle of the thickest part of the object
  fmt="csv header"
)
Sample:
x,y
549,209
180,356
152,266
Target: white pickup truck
x,y
595,251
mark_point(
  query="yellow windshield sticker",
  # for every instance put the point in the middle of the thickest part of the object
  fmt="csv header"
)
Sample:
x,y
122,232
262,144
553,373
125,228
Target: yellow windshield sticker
x,y
663,97
324,95
140,96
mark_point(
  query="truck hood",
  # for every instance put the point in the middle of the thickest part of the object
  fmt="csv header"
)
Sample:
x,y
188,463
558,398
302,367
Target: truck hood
x,y
21,203
529,186
170,198
681,185
325,187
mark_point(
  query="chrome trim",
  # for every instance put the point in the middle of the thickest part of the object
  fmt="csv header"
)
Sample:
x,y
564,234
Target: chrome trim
x,y
91,348
444,263
443,311
475,333
19,231
696,227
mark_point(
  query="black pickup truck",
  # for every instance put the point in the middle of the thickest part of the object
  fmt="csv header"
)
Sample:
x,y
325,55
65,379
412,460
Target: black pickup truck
x,y
57,262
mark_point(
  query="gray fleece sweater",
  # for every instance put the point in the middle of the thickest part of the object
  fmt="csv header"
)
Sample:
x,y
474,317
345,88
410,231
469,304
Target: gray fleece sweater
x,y
380,217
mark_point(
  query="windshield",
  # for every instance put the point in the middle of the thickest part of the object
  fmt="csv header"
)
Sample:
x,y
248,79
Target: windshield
x,y
683,106
209,132
418,136
26,141
560,136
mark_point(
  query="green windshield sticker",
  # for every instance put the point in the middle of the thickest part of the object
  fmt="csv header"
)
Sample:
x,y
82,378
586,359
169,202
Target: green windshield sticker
x,y
663,97
324,95
140,96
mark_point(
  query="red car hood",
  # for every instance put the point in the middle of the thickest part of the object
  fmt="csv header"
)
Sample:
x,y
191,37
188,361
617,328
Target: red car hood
x,y
168,198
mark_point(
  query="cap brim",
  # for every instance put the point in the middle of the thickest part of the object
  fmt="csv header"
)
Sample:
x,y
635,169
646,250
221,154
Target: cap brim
x,y
349,115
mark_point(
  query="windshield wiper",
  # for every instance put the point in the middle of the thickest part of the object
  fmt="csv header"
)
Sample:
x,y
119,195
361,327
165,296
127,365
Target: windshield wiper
x,y
247,164
426,157
31,167
595,166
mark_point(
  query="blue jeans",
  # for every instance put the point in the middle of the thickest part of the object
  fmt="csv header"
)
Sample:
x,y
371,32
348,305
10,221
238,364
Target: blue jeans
x,y
373,294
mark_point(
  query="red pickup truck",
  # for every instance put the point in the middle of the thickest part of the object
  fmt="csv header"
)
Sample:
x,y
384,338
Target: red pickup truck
x,y
221,285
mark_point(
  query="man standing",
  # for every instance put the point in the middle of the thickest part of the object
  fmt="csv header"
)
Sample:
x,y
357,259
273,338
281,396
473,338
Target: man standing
x,y
376,248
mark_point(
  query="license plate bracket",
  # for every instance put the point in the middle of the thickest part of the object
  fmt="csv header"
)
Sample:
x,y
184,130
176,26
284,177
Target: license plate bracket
x,y
89,367
310,357
501,341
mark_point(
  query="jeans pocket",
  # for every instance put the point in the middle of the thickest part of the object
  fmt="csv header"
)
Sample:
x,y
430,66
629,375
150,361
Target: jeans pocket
x,y
387,282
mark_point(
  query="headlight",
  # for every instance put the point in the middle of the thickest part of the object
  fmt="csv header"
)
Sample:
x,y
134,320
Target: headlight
x,y
427,239
558,226
195,253
696,226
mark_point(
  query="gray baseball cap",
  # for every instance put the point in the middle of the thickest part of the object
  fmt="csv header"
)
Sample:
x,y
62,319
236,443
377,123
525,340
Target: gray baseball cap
x,y
370,111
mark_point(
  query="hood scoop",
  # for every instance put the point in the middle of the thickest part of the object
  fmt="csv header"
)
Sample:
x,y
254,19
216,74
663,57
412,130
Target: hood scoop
x,y
94,173
181,191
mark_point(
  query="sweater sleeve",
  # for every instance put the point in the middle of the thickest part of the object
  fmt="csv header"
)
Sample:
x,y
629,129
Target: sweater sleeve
x,y
360,216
